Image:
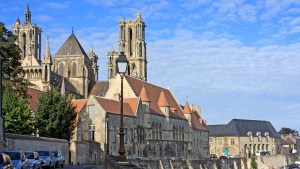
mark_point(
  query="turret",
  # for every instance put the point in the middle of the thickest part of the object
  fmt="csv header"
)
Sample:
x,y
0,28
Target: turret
x,y
27,15
164,104
145,99
187,112
94,58
47,62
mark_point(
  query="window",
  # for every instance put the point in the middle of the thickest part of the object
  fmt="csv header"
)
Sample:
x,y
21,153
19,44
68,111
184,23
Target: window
x,y
74,67
210,140
114,135
92,132
219,142
131,135
125,135
232,141
61,69
91,110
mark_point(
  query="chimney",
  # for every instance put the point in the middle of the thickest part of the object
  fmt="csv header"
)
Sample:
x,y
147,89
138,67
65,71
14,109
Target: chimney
x,y
199,111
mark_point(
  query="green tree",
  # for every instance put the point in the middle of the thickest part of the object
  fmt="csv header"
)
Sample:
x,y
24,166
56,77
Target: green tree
x,y
11,61
285,130
55,116
16,112
253,163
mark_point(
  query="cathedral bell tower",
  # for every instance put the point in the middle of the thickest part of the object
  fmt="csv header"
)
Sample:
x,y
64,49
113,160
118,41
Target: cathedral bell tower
x,y
28,38
132,42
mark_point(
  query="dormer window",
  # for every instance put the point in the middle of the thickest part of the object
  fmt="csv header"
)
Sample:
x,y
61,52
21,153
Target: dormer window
x,y
258,134
250,135
267,136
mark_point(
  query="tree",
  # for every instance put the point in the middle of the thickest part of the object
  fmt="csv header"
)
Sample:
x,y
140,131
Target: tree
x,y
55,116
285,130
16,112
11,61
253,163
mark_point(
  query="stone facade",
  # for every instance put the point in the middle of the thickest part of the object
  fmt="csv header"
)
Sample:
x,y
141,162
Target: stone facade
x,y
132,42
70,65
242,138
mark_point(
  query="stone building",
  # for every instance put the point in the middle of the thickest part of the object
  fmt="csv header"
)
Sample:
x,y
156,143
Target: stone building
x,y
156,125
71,64
242,138
132,42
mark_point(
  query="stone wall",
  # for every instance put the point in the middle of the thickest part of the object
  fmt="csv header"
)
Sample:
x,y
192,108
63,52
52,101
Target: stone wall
x,y
32,143
85,152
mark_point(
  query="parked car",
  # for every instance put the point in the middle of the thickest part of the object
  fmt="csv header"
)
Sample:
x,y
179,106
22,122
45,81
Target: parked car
x,y
34,159
47,157
223,157
18,159
5,162
213,156
59,158
262,153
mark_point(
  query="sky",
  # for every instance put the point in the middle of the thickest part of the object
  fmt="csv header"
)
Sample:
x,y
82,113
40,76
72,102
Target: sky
x,y
233,58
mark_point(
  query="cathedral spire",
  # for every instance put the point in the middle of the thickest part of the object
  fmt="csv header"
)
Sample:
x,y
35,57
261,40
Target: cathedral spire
x,y
47,55
27,15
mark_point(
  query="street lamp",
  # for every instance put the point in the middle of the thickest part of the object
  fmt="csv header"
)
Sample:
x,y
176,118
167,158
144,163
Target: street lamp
x,y
121,69
107,134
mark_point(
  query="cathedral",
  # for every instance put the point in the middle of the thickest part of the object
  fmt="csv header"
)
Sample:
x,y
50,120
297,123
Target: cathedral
x,y
156,125
71,67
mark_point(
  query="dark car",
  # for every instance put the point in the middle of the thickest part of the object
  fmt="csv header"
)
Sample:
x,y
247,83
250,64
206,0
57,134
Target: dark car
x,y
34,159
59,158
223,157
18,159
48,158
5,162
213,156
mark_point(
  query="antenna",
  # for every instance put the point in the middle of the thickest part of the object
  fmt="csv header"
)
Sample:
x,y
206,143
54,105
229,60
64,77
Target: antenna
x,y
186,97
72,30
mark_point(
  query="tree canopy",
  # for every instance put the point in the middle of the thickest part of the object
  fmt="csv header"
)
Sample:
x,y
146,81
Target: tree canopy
x,y
12,71
286,130
55,116
16,112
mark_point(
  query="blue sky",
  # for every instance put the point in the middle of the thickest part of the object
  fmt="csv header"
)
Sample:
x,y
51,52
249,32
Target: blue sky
x,y
234,58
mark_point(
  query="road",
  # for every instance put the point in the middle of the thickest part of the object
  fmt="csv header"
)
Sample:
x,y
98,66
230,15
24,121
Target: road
x,y
84,167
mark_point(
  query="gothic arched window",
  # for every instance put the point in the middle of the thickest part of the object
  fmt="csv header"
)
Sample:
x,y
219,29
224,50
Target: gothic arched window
x,y
74,67
130,41
61,69
24,45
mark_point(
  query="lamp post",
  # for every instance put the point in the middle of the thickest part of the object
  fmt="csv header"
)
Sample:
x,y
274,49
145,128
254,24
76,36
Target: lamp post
x,y
107,134
121,69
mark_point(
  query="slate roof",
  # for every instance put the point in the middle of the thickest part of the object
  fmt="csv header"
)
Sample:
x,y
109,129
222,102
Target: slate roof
x,y
240,127
57,79
71,47
99,88
154,92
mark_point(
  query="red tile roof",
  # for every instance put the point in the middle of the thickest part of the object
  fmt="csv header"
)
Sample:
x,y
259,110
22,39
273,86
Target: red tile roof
x,y
154,93
133,103
186,109
162,100
34,98
144,95
113,106
197,123
79,104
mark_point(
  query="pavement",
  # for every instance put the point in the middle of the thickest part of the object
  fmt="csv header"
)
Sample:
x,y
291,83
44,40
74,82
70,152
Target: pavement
x,y
84,167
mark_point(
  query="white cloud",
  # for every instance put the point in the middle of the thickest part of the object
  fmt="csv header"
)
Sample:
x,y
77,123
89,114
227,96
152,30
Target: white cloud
x,y
42,18
54,5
